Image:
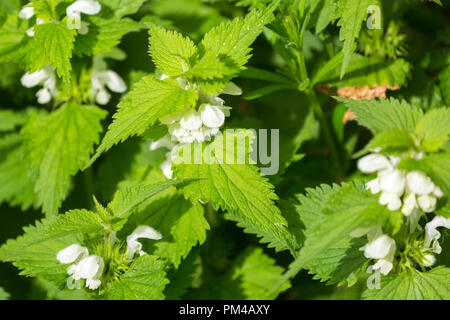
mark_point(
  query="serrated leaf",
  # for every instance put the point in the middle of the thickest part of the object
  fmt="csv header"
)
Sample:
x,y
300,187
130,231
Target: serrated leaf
x,y
170,51
413,285
123,7
352,14
238,189
56,146
144,280
52,44
433,129
150,100
181,224
392,140
75,222
383,114
127,199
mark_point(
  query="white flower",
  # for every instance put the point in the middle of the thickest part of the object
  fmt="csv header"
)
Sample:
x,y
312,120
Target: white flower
x,y
106,78
89,7
437,192
427,203
392,200
429,260
382,248
72,253
134,246
27,12
373,186
45,77
432,235
191,120
212,116
166,168
409,204
419,183
392,181
91,269
373,162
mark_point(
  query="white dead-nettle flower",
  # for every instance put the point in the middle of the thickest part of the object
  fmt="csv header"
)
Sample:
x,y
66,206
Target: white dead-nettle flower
x,y
133,245
46,78
201,123
89,7
428,260
432,235
106,79
410,192
26,13
380,247
83,265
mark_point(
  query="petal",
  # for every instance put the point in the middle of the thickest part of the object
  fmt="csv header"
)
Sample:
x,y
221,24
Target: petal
x,y
114,82
392,181
30,80
379,247
166,168
191,120
409,204
384,266
93,283
429,260
373,186
43,96
373,162
89,267
419,183
437,192
89,7
26,12
431,232
71,253
427,203
146,232
212,116
102,97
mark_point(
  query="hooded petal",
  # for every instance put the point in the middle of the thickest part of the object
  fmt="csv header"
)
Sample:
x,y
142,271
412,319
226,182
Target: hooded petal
x,y
134,246
212,116
419,183
71,253
89,7
392,181
379,248
89,268
114,82
373,162
191,120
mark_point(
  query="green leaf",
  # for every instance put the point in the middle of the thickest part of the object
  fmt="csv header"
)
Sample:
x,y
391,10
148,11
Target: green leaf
x,y
56,146
3,294
383,114
150,100
182,278
52,44
413,285
12,37
444,85
122,7
236,188
433,129
392,140
127,199
45,9
209,67
181,224
330,215
144,280
9,119
170,51
75,222
35,254
352,14
230,41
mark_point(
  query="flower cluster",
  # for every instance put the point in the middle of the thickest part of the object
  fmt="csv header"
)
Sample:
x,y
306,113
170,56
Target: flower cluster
x,y
409,192
89,7
91,267
46,78
204,123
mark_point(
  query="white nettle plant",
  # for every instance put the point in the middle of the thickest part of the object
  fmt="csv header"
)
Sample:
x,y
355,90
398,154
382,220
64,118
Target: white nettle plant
x,y
194,125
73,11
91,267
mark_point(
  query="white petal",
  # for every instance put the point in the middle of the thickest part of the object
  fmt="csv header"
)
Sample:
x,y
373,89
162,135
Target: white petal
x,y
114,82
71,253
212,116
383,265
26,12
43,96
198,135
373,162
232,89
93,283
427,203
392,181
429,260
392,200
102,97
30,32
373,186
166,168
419,183
409,204
89,268
164,77
191,120
379,248
84,28
30,80
432,234
39,21
146,232
437,192
89,7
